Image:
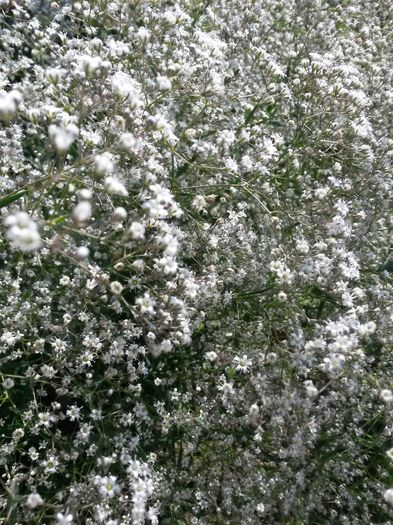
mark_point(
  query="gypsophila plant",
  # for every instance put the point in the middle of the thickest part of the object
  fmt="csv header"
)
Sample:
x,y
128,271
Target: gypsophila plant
x,y
196,267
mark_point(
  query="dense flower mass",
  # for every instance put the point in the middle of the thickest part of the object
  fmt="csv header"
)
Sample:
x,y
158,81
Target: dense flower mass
x,y
196,307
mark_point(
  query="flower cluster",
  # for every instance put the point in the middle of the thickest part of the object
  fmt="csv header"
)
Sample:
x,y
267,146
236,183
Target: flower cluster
x,y
196,304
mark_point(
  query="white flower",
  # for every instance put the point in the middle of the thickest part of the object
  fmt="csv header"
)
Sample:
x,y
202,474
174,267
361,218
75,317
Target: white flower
x,y
333,364
73,413
157,122
53,74
85,194
367,328
388,496
27,240
168,265
91,64
126,87
226,387
7,108
139,265
143,34
146,304
302,247
34,500
162,205
282,297
341,207
9,338
64,519
311,389
127,141
211,356
276,267
104,164
164,347
199,203
257,437
114,187
386,395
8,383
119,214
137,231
65,280
23,232
109,487
116,287
82,212
50,465
164,83
242,364
18,433
62,138
82,252
9,104
320,193
169,243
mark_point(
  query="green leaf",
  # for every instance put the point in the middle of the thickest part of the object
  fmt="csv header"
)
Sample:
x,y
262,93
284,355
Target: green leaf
x,y
231,372
341,26
387,267
5,201
60,219
318,293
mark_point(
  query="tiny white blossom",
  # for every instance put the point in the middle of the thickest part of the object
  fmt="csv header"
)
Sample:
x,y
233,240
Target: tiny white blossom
x,y
82,212
116,287
311,389
119,214
65,280
282,297
386,395
127,142
63,138
64,519
90,64
9,104
146,304
8,383
85,194
242,364
82,252
137,231
114,187
18,433
143,34
388,496
104,164
164,83
23,232
73,413
34,500
9,338
109,487
53,74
